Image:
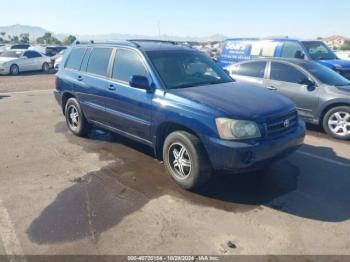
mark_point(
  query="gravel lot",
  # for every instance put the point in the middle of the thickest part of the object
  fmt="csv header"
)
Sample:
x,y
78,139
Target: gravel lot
x,y
61,194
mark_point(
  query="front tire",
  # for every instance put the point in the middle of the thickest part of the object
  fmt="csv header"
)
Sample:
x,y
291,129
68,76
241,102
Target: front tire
x,y
336,122
186,160
75,118
14,70
45,68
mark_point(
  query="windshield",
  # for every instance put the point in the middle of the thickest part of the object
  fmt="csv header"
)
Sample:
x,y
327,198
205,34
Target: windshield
x,y
14,54
181,69
325,75
319,51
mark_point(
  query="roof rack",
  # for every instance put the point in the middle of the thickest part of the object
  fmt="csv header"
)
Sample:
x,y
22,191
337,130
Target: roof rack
x,y
121,42
153,40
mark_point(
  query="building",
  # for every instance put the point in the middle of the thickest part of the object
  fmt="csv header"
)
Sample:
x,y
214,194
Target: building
x,y
336,41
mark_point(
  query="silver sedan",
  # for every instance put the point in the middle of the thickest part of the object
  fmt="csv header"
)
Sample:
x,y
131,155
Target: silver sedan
x,y
15,61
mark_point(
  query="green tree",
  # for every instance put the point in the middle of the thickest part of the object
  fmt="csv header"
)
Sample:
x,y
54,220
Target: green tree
x,y
346,46
24,38
48,39
2,38
69,40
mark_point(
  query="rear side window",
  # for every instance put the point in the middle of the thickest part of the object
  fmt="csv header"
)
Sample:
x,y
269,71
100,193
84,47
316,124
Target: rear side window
x,y
255,69
292,50
127,64
99,61
75,58
264,48
31,54
287,73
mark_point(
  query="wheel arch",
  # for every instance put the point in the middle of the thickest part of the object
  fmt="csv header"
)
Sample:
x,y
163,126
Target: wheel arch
x,y
162,132
330,107
65,97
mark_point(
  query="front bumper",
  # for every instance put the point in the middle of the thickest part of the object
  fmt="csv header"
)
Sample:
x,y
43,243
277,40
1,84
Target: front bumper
x,y
240,156
4,70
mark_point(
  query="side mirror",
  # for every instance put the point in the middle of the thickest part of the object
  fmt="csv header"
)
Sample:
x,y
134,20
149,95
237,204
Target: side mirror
x,y
308,83
299,54
140,82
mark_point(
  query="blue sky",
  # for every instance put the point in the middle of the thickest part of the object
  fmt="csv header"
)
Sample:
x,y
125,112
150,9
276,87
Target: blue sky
x,y
296,18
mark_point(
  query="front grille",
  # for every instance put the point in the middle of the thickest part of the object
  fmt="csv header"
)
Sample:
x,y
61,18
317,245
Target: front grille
x,y
276,126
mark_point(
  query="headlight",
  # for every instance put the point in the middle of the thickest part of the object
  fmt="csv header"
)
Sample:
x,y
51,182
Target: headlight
x,y
237,129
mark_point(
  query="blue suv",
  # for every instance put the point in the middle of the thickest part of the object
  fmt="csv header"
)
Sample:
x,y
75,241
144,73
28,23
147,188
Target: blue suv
x,y
239,49
179,102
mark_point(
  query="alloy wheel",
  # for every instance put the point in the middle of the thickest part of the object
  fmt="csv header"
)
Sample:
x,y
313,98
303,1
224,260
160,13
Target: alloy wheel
x,y
73,117
339,123
180,160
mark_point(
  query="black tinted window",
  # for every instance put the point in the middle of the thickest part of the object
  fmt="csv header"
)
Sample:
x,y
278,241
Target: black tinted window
x,y
99,61
255,69
128,63
326,75
292,50
286,73
31,54
75,58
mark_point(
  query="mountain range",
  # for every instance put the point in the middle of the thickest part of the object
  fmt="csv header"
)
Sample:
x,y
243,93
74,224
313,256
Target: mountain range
x,y
35,32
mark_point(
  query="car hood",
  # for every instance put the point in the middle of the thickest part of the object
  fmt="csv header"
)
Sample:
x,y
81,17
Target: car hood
x,y
336,63
237,100
6,59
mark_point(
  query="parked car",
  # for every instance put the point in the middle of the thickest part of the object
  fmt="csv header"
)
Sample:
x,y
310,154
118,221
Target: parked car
x,y
54,50
15,61
20,46
322,96
236,50
179,102
57,59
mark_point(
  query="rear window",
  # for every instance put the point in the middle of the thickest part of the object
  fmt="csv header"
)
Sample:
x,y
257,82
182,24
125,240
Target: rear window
x,y
254,69
75,58
99,61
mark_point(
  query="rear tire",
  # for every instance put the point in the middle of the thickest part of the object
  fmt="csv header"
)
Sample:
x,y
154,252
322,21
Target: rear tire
x,y
45,67
186,160
336,122
75,118
14,70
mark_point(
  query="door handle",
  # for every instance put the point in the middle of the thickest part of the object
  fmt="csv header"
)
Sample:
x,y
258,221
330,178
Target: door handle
x,y
111,87
80,78
272,88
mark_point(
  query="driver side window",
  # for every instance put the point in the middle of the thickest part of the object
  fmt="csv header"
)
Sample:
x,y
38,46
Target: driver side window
x,y
128,63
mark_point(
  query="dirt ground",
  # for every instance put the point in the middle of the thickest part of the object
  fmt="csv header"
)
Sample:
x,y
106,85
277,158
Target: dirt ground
x,y
62,195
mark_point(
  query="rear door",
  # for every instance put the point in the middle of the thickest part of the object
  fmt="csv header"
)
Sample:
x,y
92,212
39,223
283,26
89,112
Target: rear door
x,y
129,109
249,72
92,82
289,80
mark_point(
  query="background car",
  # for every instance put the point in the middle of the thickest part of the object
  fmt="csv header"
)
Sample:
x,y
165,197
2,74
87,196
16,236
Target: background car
x,y
54,50
322,96
15,61
236,50
20,46
56,60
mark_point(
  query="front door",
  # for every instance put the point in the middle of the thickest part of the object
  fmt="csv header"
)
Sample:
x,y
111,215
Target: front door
x,y
129,109
289,81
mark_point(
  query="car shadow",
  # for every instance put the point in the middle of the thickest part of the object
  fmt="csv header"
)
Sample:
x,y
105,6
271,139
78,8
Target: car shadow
x,y
35,73
301,185
2,96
